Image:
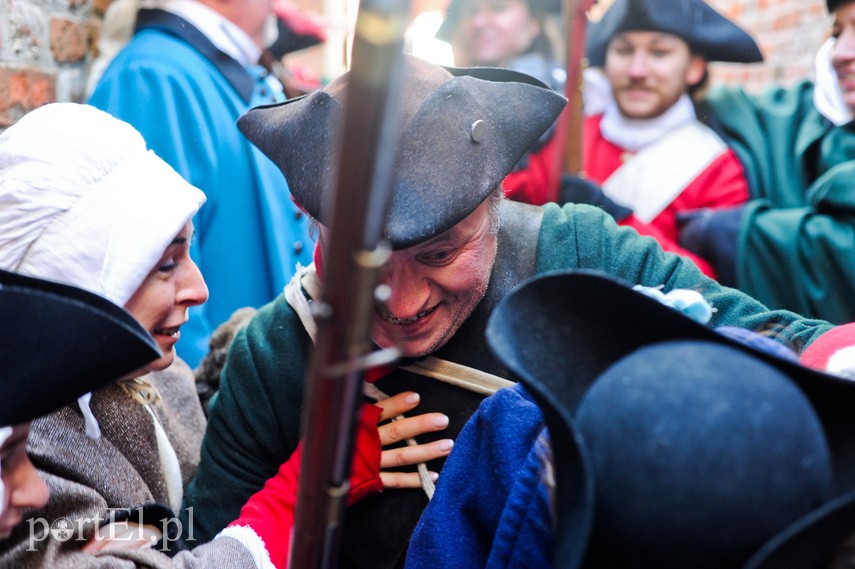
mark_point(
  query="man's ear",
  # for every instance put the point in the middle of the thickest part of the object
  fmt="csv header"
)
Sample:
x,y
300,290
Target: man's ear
x,y
696,71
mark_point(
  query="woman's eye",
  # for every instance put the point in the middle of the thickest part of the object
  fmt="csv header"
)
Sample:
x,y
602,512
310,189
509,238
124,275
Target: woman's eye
x,y
167,266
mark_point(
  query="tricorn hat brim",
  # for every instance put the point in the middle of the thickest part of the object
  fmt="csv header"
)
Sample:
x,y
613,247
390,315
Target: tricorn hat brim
x,y
810,541
462,131
585,321
559,332
706,31
61,342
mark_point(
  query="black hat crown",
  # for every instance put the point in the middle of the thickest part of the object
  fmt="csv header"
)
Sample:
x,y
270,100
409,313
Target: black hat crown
x,y
706,31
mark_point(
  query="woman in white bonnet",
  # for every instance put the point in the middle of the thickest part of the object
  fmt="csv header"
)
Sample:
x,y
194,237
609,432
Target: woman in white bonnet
x,y
83,202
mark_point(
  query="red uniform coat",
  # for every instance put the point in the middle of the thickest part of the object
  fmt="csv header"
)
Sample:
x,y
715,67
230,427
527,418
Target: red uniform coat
x,y
713,179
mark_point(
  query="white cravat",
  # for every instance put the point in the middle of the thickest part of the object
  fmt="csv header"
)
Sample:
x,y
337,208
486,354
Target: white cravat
x,y
635,134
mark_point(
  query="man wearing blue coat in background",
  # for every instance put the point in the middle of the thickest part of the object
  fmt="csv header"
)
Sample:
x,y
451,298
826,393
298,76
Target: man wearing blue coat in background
x,y
183,80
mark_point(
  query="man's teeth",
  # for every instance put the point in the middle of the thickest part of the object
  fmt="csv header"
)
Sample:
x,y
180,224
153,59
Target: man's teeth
x,y
396,320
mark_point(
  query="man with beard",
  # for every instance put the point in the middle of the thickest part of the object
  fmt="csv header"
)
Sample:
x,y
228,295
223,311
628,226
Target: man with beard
x,y
650,149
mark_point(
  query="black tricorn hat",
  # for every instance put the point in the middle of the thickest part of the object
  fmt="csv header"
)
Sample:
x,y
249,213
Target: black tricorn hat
x,y
706,31
61,342
835,4
455,9
462,131
560,332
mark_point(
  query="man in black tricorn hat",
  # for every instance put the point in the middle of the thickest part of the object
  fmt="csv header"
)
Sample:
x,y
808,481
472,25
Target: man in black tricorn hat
x,y
651,149
458,248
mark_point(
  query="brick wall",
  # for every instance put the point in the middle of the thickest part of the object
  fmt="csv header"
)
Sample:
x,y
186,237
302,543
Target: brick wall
x,y
46,46
45,49
789,33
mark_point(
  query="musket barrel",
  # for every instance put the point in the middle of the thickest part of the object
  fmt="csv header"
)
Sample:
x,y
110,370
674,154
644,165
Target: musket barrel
x,y
361,201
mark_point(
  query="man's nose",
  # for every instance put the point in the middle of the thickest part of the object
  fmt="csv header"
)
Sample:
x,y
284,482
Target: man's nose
x,y
408,291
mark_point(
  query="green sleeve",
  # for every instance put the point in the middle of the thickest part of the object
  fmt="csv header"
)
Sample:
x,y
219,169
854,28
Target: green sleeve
x,y
583,237
770,133
254,420
803,258
795,245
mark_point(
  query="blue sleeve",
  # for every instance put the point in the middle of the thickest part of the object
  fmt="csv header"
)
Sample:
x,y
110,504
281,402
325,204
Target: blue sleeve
x,y
457,528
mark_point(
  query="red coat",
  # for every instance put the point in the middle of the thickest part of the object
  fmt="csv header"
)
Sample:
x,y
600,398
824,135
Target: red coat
x,y
718,182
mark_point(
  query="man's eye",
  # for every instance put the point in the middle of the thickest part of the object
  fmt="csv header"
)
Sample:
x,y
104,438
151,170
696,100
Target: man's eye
x,y
439,257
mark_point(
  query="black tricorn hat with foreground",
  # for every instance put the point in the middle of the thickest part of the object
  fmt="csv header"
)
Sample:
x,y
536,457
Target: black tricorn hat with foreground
x,y
462,131
559,332
61,342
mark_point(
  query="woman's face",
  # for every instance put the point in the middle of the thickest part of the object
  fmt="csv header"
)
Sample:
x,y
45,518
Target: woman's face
x,y
24,488
170,289
843,52
650,71
493,32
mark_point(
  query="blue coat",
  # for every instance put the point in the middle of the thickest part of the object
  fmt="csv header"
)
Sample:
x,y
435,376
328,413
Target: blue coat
x,y
184,96
491,508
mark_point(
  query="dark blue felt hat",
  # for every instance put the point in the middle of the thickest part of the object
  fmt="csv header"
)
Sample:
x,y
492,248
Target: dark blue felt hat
x,y
706,31
560,332
454,13
61,342
700,454
462,131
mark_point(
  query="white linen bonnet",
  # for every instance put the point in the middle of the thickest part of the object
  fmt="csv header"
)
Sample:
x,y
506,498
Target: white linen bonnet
x,y
83,202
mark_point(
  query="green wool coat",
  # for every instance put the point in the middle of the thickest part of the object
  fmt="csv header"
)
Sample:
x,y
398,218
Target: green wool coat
x,y
797,240
254,421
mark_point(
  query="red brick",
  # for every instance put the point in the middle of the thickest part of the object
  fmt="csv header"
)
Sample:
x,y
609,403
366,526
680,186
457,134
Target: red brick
x,y
99,7
69,40
22,90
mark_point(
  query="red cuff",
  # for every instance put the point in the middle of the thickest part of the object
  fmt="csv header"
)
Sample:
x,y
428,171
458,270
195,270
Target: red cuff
x,y
365,476
819,353
270,511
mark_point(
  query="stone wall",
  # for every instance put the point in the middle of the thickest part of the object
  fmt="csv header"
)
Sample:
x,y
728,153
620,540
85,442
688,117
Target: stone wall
x,y
46,47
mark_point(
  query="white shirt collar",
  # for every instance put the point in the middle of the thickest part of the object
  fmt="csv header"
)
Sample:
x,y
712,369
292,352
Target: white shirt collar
x,y
222,32
635,134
